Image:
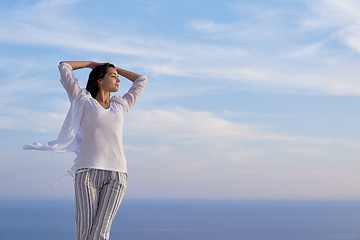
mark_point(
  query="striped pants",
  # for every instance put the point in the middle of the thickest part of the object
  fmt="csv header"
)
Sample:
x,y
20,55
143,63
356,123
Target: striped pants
x,y
98,194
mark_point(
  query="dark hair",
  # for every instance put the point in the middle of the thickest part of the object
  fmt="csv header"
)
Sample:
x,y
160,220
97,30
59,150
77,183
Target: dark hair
x,y
96,74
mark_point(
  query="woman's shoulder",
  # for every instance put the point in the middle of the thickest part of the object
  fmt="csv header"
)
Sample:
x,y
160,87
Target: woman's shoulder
x,y
117,99
81,97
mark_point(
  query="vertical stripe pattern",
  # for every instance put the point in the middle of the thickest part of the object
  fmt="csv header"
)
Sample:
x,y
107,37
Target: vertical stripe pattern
x,y
98,194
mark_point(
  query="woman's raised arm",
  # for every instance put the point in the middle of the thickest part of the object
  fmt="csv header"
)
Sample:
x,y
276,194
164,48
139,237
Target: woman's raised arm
x,y
82,64
127,74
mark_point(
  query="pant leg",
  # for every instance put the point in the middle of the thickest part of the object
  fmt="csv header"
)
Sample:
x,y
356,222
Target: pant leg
x,y
110,198
86,201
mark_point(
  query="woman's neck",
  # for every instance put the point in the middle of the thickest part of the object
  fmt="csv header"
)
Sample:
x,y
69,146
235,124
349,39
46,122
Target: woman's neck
x,y
103,97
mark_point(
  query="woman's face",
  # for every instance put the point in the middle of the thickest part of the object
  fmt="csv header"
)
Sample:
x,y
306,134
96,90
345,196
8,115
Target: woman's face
x,y
110,82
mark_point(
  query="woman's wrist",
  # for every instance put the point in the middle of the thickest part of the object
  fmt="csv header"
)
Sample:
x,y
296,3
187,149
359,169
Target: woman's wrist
x,y
91,65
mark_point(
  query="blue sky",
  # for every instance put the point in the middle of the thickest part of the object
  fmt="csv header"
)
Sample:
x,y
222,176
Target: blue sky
x,y
245,100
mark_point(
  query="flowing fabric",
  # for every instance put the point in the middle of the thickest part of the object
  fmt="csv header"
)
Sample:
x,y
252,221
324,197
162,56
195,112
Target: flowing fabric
x,y
70,135
69,138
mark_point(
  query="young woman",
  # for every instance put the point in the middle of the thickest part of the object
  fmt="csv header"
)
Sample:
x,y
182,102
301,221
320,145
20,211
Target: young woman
x,y
93,129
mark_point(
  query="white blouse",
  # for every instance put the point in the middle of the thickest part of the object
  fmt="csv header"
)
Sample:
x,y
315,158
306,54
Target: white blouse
x,y
91,131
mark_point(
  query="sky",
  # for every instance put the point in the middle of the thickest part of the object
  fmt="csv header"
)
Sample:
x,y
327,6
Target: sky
x,y
245,100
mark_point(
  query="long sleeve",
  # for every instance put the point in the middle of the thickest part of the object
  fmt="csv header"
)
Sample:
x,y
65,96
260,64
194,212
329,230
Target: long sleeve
x,y
69,82
69,138
134,92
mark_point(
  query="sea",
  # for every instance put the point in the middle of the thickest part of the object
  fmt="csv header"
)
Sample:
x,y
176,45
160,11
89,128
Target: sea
x,y
53,219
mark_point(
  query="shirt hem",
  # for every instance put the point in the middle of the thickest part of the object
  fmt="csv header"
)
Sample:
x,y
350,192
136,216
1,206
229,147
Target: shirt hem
x,y
76,168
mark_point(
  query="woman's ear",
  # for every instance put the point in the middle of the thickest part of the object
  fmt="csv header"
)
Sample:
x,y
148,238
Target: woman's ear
x,y
99,81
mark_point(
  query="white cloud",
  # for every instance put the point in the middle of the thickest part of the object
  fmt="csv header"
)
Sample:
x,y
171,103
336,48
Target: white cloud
x,y
53,3
340,17
24,119
149,7
165,133
302,150
241,156
334,13
177,127
305,51
183,124
187,141
207,25
158,150
267,115
17,93
300,69
237,33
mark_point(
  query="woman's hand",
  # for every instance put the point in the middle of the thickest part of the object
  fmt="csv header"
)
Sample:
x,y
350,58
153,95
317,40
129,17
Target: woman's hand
x,y
93,65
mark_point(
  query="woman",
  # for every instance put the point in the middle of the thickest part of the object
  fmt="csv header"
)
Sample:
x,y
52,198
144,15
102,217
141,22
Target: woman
x,y
93,129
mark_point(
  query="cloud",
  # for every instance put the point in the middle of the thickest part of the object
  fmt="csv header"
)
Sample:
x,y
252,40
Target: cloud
x,y
149,7
186,140
339,17
183,134
182,123
304,67
19,112
45,4
304,150
24,119
305,51
179,124
158,150
208,25
330,13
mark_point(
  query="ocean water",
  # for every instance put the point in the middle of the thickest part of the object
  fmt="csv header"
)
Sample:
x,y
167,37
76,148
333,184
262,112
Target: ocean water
x,y
190,219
